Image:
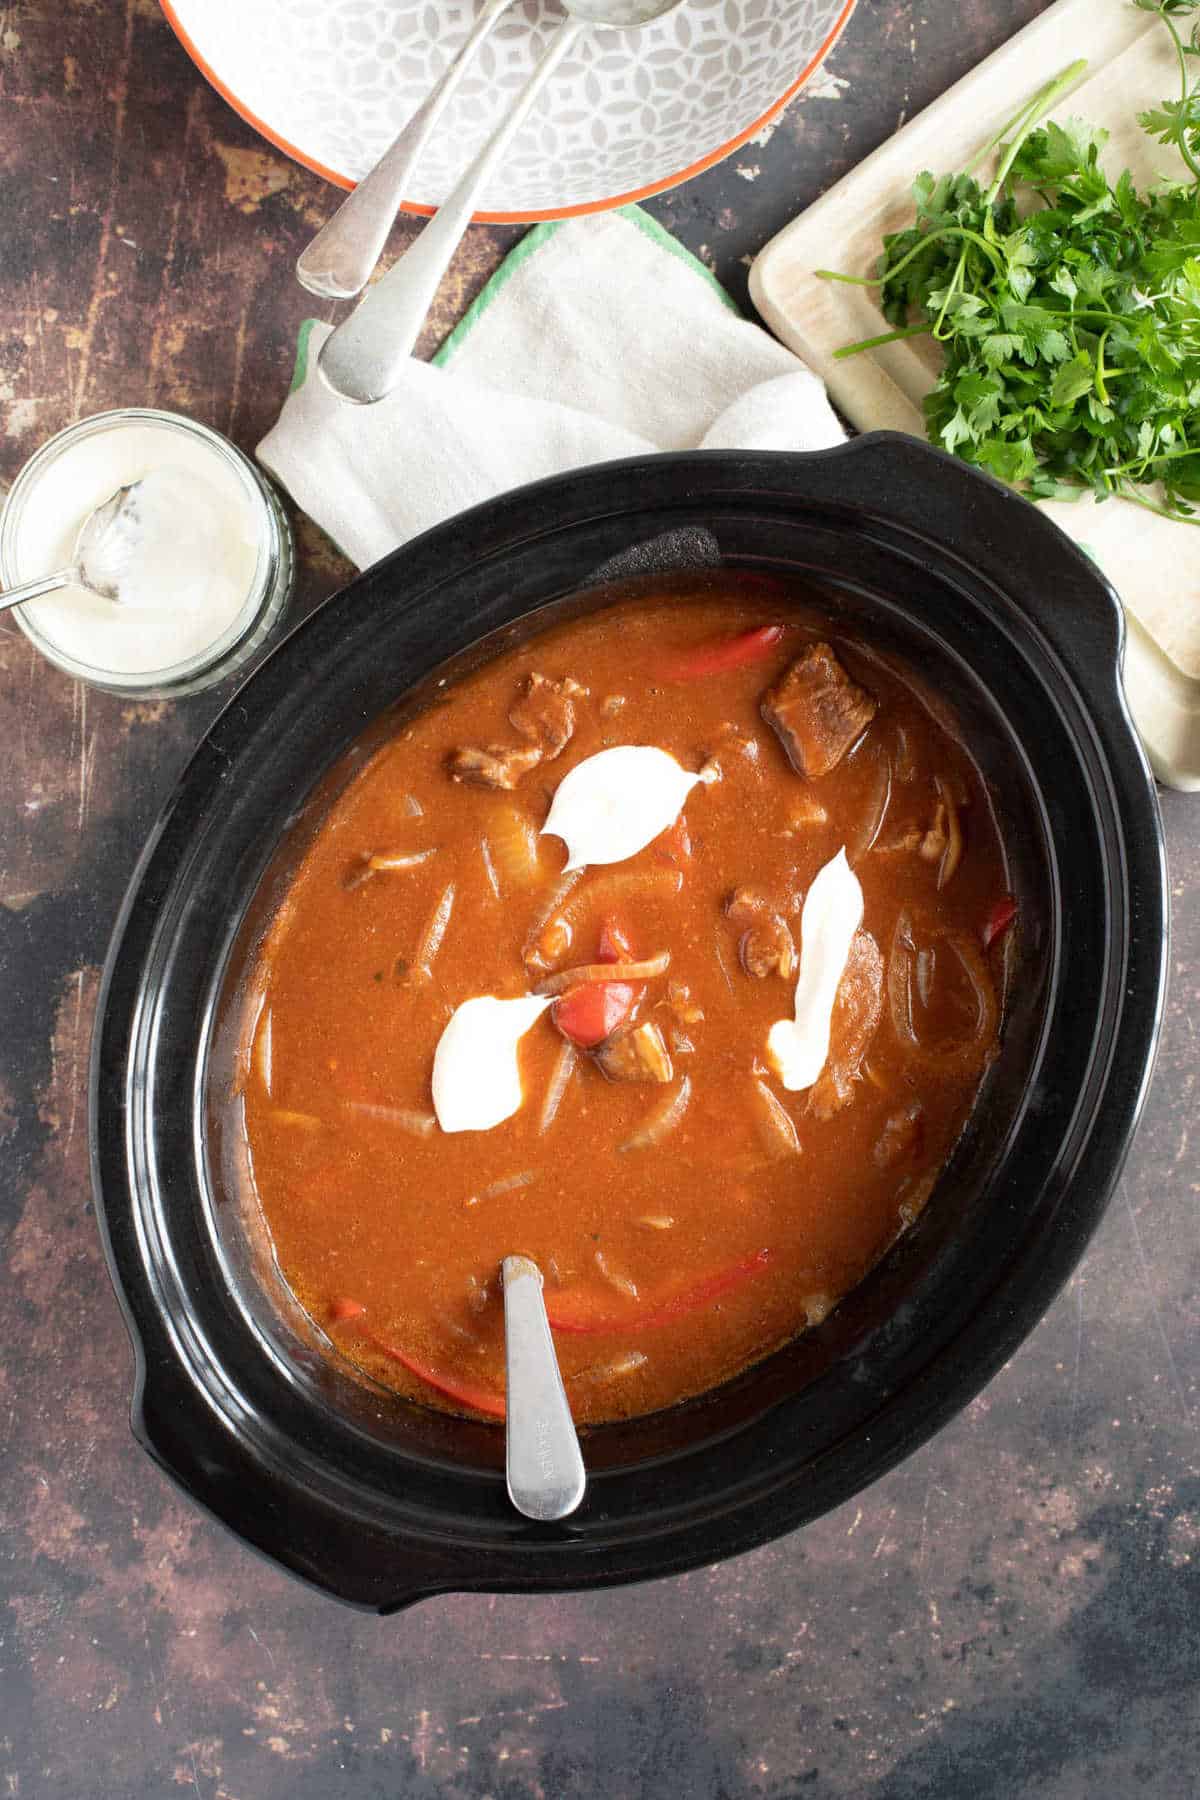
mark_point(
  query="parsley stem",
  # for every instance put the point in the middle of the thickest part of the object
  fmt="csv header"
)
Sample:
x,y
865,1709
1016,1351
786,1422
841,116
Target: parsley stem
x,y
1184,93
955,283
886,337
1040,105
1164,512
1144,462
1101,390
1113,318
928,237
1018,123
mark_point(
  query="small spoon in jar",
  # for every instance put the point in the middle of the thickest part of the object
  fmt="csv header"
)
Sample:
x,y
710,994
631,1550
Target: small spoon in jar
x,y
98,563
544,1463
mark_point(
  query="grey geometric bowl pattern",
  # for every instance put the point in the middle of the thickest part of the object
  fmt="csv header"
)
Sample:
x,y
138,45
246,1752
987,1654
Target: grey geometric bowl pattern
x,y
333,80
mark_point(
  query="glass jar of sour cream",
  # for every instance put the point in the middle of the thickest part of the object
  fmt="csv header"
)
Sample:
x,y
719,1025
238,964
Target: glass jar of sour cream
x,y
204,579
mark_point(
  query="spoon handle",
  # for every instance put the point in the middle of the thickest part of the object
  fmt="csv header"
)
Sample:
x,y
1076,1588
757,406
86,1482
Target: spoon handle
x,y
338,262
362,360
33,590
545,1465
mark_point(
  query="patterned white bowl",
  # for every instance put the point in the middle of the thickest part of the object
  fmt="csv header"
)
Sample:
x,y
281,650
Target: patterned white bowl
x,y
630,113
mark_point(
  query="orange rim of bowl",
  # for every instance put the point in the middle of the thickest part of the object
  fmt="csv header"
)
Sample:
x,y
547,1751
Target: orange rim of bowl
x,y
518,218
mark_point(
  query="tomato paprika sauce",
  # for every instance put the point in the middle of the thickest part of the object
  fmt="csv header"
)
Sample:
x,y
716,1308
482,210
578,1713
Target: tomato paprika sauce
x,y
689,1211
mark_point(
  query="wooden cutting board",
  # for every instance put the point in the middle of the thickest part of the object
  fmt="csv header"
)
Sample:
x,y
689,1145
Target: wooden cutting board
x,y
1153,563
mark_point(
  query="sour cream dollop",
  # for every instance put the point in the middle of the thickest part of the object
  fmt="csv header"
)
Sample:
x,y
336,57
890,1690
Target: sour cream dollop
x,y
476,1073
833,910
164,545
613,804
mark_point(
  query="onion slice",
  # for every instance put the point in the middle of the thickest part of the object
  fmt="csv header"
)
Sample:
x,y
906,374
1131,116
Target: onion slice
x,y
386,862
405,1118
953,1057
507,1184
435,931
565,908
662,1121
489,867
615,1277
871,823
779,1129
562,979
952,855
301,1121
539,946
560,1077
260,1055
615,1366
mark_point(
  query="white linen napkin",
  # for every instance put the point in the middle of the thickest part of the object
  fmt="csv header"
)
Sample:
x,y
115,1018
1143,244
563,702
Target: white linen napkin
x,y
597,337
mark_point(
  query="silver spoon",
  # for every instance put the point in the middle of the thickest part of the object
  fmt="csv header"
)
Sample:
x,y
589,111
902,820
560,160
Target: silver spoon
x,y
363,359
89,569
545,1471
339,261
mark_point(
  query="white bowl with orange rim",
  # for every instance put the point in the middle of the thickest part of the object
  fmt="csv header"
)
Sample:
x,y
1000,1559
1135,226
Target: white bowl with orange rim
x,y
331,81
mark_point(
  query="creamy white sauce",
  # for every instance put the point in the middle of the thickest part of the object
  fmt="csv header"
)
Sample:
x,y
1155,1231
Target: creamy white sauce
x,y
476,1072
613,804
163,542
833,908
185,560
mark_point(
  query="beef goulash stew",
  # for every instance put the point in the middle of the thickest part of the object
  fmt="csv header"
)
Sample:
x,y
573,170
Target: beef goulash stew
x,y
667,949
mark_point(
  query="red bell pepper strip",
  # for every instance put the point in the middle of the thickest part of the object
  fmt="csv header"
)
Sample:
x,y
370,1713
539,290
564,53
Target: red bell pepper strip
x,y
592,1012
579,1314
999,920
479,1399
723,654
348,1312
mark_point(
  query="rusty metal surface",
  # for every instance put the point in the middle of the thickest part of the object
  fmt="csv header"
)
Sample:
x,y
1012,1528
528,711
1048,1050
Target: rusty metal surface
x,y
1015,1611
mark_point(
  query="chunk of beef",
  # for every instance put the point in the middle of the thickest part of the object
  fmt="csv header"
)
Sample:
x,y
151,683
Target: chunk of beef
x,y
683,1003
766,946
900,842
936,840
494,768
817,712
544,715
635,1053
856,1015
941,841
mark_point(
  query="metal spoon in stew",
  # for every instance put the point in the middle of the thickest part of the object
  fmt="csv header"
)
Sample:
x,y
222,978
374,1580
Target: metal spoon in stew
x,y
545,1471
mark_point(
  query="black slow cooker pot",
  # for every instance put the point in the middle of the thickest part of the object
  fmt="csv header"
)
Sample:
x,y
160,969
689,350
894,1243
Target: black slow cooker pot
x,y
380,1501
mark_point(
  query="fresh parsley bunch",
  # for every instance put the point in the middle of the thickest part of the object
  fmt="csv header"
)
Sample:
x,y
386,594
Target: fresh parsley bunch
x,y
1067,307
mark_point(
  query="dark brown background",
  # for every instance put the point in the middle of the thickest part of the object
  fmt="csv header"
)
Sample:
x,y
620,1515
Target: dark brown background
x,y
1015,1611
